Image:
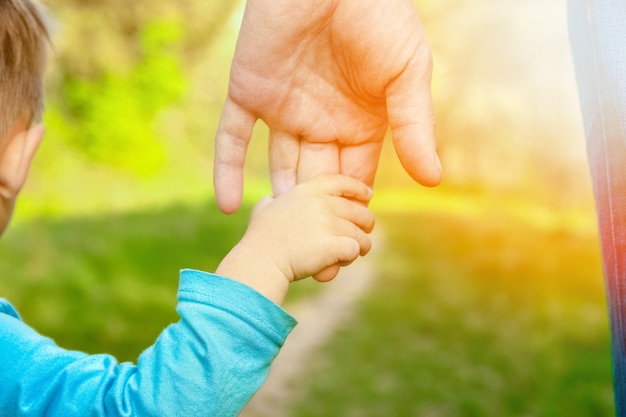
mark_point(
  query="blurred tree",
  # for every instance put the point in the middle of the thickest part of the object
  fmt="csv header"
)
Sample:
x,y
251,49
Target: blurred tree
x,y
117,65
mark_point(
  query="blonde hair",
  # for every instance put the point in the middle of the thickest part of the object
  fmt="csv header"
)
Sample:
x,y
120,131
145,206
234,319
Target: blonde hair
x,y
24,40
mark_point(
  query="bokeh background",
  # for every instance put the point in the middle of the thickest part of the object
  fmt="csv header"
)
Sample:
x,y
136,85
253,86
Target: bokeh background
x,y
489,298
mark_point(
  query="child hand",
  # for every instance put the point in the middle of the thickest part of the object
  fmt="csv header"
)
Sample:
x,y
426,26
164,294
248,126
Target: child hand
x,y
318,224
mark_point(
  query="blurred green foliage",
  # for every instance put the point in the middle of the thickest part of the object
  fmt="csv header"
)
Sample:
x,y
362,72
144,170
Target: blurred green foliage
x,y
108,283
109,117
117,66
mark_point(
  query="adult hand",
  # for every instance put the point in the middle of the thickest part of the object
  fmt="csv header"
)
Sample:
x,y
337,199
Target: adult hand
x,y
327,77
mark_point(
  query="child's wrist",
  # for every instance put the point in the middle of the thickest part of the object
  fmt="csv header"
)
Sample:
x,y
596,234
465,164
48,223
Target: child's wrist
x,y
251,268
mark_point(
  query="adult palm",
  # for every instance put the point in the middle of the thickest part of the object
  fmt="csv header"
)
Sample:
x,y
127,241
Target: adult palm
x,y
327,77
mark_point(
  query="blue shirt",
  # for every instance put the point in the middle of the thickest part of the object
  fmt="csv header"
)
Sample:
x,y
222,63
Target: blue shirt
x,y
207,364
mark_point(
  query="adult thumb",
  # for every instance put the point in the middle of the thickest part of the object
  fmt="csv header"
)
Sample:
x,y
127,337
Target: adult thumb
x,y
411,119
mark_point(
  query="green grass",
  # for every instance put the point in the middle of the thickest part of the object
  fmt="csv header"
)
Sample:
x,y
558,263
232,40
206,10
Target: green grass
x,y
471,316
107,283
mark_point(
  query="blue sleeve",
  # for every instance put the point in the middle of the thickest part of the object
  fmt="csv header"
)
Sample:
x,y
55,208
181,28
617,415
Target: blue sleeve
x,y
207,364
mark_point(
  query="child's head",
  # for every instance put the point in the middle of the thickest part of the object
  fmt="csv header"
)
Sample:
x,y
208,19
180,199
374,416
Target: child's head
x,y
23,47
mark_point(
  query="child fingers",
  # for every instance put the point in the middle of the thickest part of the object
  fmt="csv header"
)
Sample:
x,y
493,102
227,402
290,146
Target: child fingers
x,y
347,249
351,242
365,243
327,274
344,186
354,213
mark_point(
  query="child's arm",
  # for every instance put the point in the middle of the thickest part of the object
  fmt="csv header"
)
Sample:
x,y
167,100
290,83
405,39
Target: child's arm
x,y
312,228
218,354
209,363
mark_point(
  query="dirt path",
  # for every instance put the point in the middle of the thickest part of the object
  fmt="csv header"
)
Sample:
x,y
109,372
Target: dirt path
x,y
318,318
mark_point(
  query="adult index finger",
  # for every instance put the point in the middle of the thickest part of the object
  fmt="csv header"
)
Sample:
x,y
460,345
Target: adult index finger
x,y
231,145
412,121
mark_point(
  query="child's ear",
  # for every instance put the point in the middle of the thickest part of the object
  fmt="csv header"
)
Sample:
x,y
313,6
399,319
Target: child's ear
x,y
15,160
